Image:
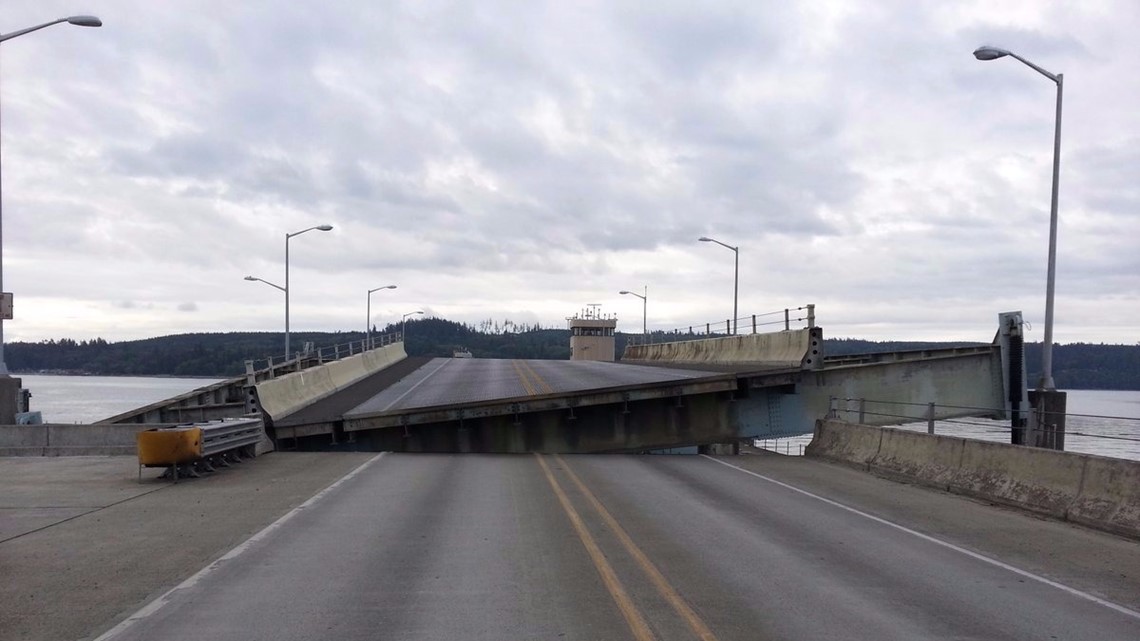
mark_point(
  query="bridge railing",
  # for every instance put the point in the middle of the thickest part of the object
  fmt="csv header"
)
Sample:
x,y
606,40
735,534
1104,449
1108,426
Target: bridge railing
x,y
309,355
1124,443
779,320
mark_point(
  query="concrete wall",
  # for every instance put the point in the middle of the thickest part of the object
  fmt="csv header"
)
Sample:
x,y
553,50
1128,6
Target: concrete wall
x,y
780,350
898,390
69,439
1096,491
282,396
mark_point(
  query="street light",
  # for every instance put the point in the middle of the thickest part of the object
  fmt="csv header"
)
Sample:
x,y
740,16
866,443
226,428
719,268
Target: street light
x,y
265,281
735,278
273,285
368,322
404,324
80,21
644,303
286,288
993,53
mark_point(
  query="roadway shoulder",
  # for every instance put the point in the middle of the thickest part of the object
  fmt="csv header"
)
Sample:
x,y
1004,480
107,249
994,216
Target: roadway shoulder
x,y
122,543
1083,558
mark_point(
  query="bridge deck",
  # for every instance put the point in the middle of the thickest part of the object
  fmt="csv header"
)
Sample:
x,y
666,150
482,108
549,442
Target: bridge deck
x,y
448,381
417,383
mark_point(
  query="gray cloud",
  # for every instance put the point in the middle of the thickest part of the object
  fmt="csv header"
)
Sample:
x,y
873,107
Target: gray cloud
x,y
530,158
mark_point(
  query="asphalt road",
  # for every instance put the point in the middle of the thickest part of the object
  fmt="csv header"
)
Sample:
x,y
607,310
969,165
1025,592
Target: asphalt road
x,y
448,381
651,547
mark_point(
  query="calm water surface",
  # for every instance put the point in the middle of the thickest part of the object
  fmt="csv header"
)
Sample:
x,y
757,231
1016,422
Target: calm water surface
x,y
86,399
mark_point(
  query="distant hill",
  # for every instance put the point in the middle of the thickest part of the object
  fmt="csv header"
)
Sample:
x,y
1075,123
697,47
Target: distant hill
x,y
1076,366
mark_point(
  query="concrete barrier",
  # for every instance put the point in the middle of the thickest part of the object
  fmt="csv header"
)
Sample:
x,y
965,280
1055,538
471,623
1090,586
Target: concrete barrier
x,y
784,350
851,443
1096,491
69,439
1109,496
282,396
1037,479
916,455
72,439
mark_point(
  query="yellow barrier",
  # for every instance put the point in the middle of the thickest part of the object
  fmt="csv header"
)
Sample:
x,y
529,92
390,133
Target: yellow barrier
x,y
169,446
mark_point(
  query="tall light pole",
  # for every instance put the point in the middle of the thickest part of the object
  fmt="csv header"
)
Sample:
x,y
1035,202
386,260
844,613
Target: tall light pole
x,y
735,278
287,237
368,323
993,53
644,304
404,325
80,21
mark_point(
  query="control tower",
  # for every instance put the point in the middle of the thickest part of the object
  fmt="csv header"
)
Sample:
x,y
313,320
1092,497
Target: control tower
x,y
592,335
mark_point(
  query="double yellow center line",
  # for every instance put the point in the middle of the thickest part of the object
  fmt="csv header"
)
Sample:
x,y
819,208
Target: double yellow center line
x,y
633,617
530,379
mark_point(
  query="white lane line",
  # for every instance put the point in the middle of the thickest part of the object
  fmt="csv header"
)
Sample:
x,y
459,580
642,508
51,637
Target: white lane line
x,y
926,537
413,387
156,605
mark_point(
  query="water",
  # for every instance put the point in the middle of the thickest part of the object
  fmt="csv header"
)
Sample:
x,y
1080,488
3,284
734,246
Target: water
x,y
1087,429
86,399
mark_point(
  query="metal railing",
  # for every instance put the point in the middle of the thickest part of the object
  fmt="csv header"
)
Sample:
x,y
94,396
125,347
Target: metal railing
x,y
842,408
779,320
191,449
310,355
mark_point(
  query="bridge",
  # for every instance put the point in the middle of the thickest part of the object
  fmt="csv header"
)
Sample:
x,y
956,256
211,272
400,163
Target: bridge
x,y
694,393
542,537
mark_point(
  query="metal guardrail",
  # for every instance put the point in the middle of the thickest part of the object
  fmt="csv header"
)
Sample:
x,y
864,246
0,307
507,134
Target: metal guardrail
x,y
195,448
310,355
757,322
929,412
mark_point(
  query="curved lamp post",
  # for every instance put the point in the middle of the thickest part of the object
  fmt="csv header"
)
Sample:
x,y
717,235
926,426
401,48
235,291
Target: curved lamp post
x,y
80,21
993,53
273,285
644,303
368,322
286,288
262,280
404,324
735,278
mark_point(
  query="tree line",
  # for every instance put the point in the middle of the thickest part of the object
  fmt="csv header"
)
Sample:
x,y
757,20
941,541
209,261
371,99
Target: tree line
x,y
223,354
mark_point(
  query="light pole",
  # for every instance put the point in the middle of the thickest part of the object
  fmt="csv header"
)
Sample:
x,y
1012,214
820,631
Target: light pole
x,y
286,288
80,21
735,278
368,323
273,285
404,325
993,53
644,304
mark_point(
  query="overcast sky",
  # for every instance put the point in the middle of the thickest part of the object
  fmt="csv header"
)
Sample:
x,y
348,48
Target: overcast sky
x,y
524,159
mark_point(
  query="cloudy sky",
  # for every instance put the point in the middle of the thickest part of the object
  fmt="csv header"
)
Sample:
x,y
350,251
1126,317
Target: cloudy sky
x,y
524,159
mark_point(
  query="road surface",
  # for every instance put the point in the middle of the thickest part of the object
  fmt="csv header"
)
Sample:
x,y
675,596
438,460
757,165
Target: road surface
x,y
650,547
450,381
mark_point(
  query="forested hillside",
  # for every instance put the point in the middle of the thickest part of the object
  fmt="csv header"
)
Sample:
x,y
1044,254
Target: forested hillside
x,y
1076,366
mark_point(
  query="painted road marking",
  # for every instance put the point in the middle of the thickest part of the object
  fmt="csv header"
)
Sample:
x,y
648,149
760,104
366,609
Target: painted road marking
x,y
156,605
633,618
527,387
539,380
926,537
418,383
680,606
